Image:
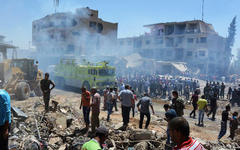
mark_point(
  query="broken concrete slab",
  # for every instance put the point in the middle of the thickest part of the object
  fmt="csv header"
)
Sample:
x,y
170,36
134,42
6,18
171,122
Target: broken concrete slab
x,y
18,113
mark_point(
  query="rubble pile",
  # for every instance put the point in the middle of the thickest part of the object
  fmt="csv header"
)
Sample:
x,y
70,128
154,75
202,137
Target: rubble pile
x,y
63,129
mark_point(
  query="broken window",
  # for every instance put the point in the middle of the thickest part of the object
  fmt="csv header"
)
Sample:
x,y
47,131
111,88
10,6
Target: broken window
x,y
169,29
169,42
99,27
189,53
203,40
180,28
202,53
93,25
192,28
74,22
159,32
190,40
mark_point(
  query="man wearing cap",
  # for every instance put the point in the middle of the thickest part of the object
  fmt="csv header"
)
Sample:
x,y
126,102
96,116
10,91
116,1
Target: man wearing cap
x,y
97,142
169,115
5,119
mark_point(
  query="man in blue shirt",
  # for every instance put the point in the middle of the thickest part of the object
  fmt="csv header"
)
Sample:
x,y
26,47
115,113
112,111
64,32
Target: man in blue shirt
x,y
169,115
145,103
5,119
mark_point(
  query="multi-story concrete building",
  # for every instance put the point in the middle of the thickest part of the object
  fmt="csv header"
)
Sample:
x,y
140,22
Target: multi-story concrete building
x,y
193,42
79,33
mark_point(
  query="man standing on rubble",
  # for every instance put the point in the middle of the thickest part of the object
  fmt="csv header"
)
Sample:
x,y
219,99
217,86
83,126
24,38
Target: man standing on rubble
x,y
126,98
96,100
46,90
85,103
225,118
178,104
145,103
179,131
5,119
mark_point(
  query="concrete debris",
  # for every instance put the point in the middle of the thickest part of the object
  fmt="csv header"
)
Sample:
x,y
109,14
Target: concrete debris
x,y
63,129
18,113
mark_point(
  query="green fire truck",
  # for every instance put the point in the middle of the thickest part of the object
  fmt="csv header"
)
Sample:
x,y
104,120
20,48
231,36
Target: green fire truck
x,y
71,73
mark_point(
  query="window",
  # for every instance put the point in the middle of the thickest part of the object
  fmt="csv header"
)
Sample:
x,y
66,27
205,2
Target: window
x,y
99,28
129,43
159,41
76,33
137,43
106,72
121,42
180,40
148,42
203,40
189,53
202,53
74,22
190,40
169,42
93,25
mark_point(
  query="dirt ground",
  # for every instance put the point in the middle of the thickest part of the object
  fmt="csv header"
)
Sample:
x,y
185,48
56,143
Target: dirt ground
x,y
208,133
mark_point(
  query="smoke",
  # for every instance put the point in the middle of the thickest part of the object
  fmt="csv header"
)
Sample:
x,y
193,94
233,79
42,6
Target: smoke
x,y
73,35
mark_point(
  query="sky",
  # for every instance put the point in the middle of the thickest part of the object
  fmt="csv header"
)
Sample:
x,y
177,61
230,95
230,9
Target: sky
x,y
16,16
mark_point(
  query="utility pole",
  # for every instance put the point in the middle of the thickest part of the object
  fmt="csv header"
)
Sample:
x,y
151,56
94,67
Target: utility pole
x,y
202,10
56,4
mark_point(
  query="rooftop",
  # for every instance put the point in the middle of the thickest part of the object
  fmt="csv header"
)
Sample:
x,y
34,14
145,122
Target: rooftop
x,y
183,22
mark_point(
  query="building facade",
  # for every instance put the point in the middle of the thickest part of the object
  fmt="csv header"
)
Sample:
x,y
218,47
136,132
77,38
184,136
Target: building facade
x,y
193,42
76,34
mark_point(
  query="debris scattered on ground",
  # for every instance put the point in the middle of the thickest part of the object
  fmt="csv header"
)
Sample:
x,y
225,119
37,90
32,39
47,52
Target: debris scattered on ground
x,y
63,129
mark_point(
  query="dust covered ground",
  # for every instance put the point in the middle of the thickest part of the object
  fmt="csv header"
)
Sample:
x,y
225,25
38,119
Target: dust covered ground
x,y
71,101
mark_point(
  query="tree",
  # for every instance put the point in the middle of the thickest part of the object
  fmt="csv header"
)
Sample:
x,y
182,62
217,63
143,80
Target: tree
x,y
230,42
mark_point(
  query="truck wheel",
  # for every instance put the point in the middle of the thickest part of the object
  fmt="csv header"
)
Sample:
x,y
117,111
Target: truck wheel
x,y
22,91
38,91
86,85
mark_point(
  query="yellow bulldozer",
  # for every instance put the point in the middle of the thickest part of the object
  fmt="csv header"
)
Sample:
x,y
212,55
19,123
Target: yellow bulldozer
x,y
19,77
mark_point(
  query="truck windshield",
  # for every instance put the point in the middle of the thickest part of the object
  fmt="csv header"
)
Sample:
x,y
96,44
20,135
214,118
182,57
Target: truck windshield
x,y
106,72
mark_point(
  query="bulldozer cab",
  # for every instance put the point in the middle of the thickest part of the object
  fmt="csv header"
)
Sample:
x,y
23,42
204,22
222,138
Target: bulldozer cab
x,y
26,67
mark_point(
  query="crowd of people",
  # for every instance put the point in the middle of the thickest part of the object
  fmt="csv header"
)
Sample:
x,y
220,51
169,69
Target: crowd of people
x,y
137,92
160,86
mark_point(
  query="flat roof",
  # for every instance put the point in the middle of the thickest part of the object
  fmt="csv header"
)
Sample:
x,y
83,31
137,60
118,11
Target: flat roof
x,y
5,45
191,21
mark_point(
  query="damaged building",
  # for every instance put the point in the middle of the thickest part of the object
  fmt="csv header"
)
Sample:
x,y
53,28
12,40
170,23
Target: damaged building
x,y
77,34
195,43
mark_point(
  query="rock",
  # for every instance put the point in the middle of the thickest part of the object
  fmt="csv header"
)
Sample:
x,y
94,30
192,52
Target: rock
x,y
18,113
141,146
140,134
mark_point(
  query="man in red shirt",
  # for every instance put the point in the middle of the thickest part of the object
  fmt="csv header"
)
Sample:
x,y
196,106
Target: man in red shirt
x,y
179,131
85,103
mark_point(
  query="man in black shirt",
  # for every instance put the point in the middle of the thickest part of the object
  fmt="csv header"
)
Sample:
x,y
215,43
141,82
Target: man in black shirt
x,y
225,118
194,101
213,106
45,87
